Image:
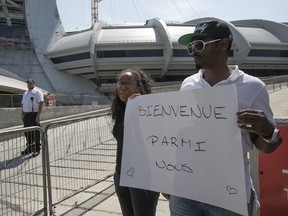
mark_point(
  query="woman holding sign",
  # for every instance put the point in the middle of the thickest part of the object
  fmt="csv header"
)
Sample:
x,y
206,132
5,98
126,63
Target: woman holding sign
x,y
133,201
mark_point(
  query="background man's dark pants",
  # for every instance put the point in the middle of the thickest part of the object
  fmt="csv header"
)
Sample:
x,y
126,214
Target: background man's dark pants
x,y
33,137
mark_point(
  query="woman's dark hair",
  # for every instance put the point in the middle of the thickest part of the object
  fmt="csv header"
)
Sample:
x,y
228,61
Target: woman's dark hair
x,y
118,107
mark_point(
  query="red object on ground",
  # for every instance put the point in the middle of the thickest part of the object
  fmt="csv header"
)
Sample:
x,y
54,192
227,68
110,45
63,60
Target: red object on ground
x,y
273,179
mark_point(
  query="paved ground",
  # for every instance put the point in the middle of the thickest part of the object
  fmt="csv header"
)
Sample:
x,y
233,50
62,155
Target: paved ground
x,y
279,103
110,207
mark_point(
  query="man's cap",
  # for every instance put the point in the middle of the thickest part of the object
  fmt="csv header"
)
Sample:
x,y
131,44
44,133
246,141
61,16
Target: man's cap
x,y
213,28
30,81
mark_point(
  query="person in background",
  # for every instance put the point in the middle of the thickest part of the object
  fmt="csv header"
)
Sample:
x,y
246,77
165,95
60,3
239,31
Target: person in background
x,y
133,201
32,105
209,45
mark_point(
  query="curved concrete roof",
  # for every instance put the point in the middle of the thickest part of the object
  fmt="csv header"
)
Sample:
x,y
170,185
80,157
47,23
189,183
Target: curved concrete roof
x,y
157,35
15,86
11,83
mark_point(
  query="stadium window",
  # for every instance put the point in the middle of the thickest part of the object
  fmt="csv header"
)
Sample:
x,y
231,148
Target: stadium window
x,y
180,53
145,53
268,53
129,53
69,58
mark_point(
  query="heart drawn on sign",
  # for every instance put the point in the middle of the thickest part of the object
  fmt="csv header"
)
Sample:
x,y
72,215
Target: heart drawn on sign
x,y
130,172
231,190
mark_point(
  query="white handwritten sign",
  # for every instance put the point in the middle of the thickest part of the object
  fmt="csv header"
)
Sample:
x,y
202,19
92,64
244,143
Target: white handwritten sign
x,y
187,144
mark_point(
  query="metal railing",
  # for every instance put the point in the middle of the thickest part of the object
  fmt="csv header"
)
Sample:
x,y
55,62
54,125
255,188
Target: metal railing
x,y
22,177
272,87
275,83
76,154
81,154
10,100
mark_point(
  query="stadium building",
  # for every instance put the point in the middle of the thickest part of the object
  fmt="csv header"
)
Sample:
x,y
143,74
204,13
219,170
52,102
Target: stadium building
x,y
34,44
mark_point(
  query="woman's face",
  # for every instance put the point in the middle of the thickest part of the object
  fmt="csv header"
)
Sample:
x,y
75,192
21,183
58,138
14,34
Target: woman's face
x,y
126,86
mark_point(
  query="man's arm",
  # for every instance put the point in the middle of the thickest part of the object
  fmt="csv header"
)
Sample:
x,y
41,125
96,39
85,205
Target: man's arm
x,y
22,112
40,106
262,145
22,104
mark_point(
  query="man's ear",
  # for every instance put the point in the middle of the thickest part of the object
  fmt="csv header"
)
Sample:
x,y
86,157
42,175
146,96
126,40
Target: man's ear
x,y
225,43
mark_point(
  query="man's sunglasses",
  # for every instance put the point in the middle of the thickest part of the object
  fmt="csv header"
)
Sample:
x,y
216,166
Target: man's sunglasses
x,y
199,45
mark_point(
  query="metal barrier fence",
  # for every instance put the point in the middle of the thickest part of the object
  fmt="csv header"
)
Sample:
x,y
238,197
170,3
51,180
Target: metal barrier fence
x,y
81,153
76,154
276,86
10,100
22,177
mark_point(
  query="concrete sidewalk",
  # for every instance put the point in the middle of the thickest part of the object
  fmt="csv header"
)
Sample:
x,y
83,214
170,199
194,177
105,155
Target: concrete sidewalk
x,y
279,103
87,203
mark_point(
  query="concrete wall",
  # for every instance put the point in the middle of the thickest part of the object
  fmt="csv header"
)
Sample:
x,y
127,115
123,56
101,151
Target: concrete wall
x,y
10,117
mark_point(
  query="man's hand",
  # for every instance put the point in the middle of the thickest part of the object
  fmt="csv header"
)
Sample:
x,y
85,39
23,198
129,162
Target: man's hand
x,y
255,121
37,120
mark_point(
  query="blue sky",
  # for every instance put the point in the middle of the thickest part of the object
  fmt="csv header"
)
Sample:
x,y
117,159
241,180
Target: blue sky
x,y
121,11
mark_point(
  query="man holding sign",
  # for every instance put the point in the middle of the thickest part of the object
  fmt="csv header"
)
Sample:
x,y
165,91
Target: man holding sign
x,y
209,45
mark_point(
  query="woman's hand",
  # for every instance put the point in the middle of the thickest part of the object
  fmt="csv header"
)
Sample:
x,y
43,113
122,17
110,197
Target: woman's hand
x,y
134,95
167,196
